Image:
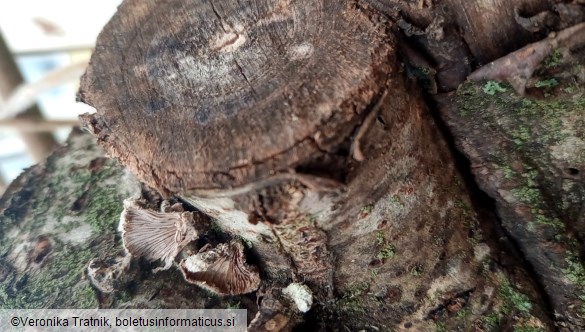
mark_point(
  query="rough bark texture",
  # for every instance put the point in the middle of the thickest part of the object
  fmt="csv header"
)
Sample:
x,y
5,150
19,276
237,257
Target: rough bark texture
x,y
532,166
59,223
59,216
445,40
370,217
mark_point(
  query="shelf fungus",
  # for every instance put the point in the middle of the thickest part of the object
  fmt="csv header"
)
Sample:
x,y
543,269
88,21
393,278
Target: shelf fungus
x,y
222,270
155,235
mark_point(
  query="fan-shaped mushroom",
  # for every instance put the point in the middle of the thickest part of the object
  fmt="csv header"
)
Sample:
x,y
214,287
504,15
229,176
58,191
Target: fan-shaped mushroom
x,y
155,235
220,100
222,270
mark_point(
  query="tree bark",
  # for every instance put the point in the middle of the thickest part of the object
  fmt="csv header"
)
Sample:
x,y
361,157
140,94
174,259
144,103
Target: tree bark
x,y
339,180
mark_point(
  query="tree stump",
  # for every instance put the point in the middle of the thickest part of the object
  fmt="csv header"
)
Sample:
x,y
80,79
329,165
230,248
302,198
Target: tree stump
x,y
295,128
247,91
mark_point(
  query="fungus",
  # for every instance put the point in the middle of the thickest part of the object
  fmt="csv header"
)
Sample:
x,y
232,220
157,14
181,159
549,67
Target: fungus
x,y
222,270
300,294
104,274
155,235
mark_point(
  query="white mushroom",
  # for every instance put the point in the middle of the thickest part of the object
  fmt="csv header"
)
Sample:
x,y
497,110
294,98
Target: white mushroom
x,y
155,235
222,270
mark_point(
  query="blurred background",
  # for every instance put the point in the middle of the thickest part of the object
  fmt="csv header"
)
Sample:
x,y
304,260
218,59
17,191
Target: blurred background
x,y
44,48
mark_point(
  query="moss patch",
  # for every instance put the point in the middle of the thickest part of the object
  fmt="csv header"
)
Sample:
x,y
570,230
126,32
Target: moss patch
x,y
74,201
352,300
59,283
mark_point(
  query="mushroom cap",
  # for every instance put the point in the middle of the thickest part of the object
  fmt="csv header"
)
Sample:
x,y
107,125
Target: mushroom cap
x,y
222,270
155,235
214,95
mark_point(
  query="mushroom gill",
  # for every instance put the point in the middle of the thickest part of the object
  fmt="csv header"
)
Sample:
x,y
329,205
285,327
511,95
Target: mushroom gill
x,y
155,235
222,270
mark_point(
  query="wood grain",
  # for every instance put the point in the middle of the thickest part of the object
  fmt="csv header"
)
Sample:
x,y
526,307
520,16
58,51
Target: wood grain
x,y
196,94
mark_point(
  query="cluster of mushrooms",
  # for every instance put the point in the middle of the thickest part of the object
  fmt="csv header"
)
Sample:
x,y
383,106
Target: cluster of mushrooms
x,y
162,235
251,114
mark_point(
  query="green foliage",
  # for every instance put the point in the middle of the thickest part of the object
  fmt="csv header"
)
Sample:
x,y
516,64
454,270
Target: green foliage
x,y
492,87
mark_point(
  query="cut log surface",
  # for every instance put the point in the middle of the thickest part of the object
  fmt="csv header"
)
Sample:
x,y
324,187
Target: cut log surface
x,y
197,94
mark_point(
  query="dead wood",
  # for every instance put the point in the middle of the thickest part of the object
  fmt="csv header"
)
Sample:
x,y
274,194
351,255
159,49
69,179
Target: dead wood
x,y
292,126
527,152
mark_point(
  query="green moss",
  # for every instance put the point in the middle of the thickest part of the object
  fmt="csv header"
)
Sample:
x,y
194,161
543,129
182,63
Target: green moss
x,y
352,301
554,59
509,173
540,119
546,83
575,272
104,200
104,209
528,329
527,195
492,87
365,210
396,202
60,282
491,322
463,208
441,327
416,270
513,300
379,237
570,89
521,135
247,243
85,297
386,252
233,304
464,312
